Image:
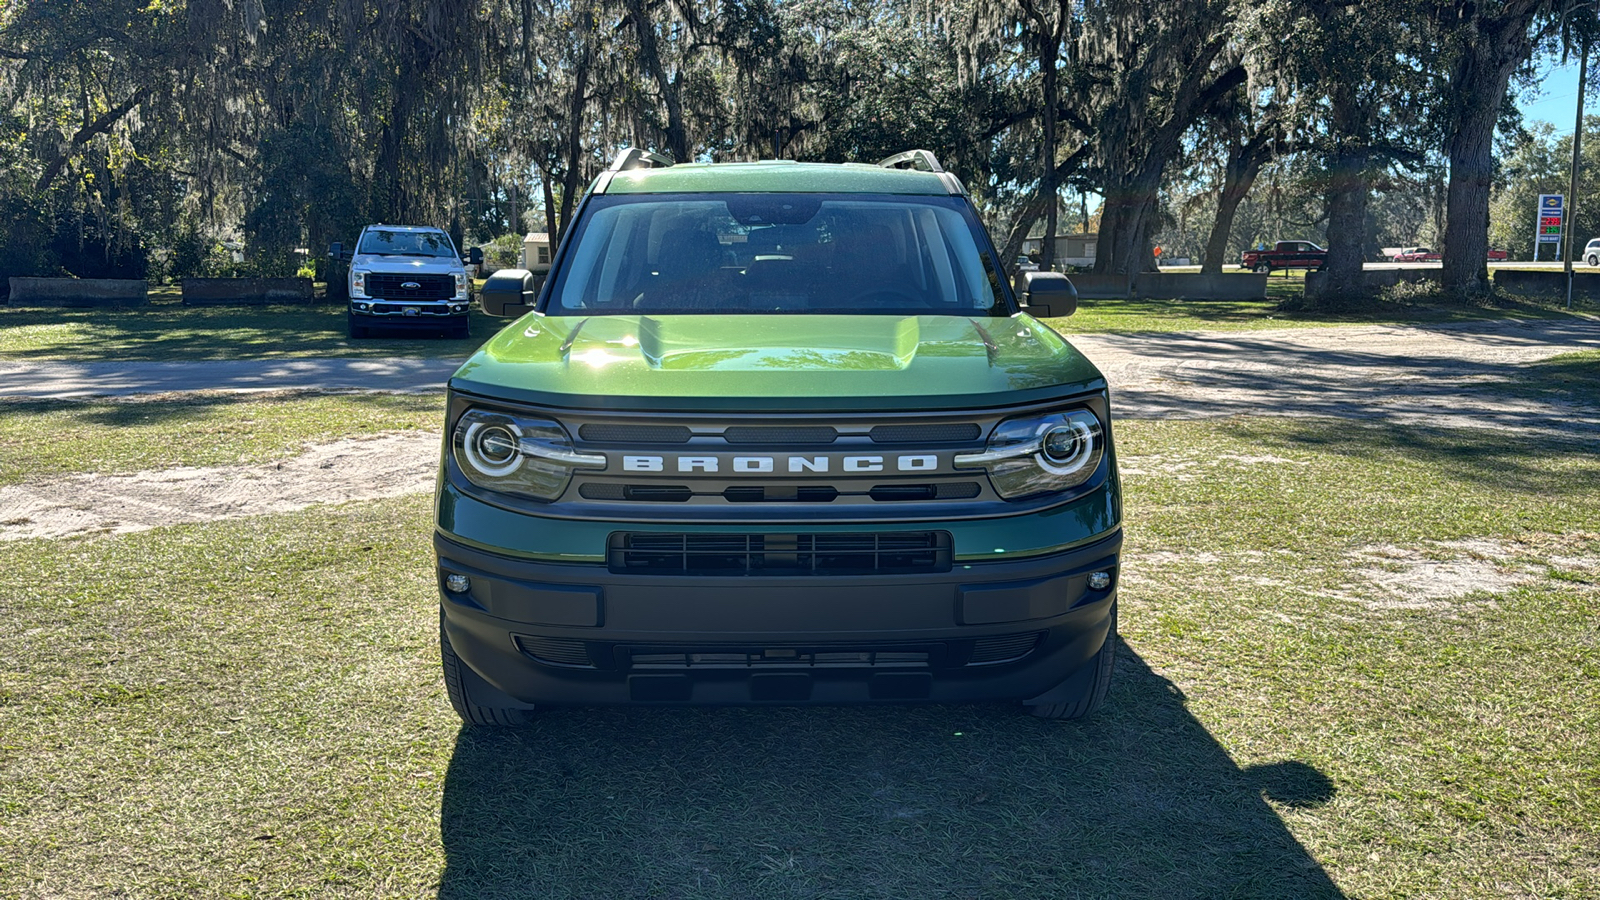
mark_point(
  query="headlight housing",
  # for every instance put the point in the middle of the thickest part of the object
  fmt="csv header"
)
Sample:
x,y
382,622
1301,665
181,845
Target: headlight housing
x,y
515,454
1040,453
358,283
461,285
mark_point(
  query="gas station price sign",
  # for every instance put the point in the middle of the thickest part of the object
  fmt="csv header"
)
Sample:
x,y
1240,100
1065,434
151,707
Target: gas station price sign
x,y
1552,209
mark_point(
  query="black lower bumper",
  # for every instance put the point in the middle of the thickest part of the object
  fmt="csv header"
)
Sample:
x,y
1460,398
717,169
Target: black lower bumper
x,y
421,321
545,633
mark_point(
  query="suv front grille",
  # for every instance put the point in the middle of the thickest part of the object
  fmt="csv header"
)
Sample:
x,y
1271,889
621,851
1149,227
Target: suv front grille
x,y
885,553
387,286
699,466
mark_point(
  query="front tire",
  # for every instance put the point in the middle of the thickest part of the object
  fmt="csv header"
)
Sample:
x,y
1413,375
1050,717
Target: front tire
x,y
1593,259
356,331
1094,694
455,686
1263,269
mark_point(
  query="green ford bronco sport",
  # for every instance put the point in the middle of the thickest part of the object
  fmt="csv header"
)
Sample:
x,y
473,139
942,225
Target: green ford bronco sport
x,y
777,433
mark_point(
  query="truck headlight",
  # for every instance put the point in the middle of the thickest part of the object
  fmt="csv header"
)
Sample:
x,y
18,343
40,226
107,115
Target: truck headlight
x,y
514,454
1040,454
461,285
358,283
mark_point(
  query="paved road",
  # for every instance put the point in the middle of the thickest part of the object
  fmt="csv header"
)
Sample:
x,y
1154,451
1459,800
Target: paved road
x,y
73,379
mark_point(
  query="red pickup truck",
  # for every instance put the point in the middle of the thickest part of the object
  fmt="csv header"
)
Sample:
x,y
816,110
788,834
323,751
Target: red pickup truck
x,y
1285,255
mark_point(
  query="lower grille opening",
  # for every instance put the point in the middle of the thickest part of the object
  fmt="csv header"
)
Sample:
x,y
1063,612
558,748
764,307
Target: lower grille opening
x,y
780,494
778,658
556,651
885,553
892,492
991,651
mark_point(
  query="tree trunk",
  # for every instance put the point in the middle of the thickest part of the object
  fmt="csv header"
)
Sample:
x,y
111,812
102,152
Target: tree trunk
x,y
650,54
1479,86
1034,207
1244,164
549,209
1347,225
572,177
1049,54
1123,247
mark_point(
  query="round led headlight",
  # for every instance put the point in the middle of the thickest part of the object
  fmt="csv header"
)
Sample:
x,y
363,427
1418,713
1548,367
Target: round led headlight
x,y
1065,448
493,448
513,453
1040,454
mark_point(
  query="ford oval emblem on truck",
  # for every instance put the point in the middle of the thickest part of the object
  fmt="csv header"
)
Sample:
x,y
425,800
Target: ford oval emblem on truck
x,y
411,285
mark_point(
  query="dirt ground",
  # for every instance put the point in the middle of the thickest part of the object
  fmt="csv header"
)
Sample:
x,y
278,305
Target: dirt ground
x,y
1448,375
1437,375
389,465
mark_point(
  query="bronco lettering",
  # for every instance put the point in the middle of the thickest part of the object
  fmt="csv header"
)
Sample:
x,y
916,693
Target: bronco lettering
x,y
760,465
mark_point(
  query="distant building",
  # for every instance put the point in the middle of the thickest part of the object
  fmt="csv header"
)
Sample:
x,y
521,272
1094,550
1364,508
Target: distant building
x,y
1070,249
536,252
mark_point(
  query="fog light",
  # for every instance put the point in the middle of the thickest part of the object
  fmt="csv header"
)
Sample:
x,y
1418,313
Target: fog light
x,y
457,583
1098,581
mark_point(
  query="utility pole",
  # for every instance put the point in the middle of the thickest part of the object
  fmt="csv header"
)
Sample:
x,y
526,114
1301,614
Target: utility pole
x,y
1572,185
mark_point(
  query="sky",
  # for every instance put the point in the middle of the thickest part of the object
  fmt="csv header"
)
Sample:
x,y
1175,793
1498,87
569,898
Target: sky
x,y
1556,99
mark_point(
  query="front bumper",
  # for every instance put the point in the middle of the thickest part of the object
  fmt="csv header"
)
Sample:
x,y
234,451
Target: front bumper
x,y
408,314
535,632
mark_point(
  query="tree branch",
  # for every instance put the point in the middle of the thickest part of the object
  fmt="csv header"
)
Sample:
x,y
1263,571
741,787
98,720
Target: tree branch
x,y
87,133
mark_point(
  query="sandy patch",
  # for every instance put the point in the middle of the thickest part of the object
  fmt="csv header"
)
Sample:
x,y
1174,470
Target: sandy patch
x,y
390,465
1195,468
1440,574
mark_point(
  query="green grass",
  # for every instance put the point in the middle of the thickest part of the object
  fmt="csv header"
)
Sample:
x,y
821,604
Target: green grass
x,y
1123,316
168,330
51,438
253,708
1570,377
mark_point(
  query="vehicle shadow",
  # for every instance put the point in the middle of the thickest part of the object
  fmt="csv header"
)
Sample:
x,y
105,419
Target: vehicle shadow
x,y
930,801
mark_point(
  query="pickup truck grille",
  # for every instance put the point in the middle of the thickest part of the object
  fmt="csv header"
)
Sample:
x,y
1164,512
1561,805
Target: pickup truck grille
x,y
388,286
878,553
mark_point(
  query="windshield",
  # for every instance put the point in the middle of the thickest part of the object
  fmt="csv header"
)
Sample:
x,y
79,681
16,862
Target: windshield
x,y
407,243
777,253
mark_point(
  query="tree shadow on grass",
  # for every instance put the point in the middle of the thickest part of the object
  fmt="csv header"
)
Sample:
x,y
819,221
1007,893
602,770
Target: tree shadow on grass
x,y
194,407
923,801
1496,459
171,331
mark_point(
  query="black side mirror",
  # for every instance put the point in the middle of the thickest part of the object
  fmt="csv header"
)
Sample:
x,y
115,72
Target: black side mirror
x,y
509,292
336,250
1046,295
475,256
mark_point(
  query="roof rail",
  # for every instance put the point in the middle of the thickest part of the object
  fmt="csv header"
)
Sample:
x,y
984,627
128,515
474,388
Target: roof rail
x,y
919,159
635,158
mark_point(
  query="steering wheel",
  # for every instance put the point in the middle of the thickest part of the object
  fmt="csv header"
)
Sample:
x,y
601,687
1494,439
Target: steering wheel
x,y
887,297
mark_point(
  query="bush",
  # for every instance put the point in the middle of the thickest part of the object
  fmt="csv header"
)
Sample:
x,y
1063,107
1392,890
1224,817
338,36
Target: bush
x,y
504,252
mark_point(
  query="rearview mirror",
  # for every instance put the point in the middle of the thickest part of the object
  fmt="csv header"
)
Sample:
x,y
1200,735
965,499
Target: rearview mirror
x,y
509,292
336,250
1046,295
475,256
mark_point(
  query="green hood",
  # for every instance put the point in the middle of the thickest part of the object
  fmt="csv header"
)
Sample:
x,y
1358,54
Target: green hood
x,y
776,362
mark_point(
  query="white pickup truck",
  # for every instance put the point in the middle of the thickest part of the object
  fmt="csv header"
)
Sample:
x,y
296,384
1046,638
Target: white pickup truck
x,y
407,277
